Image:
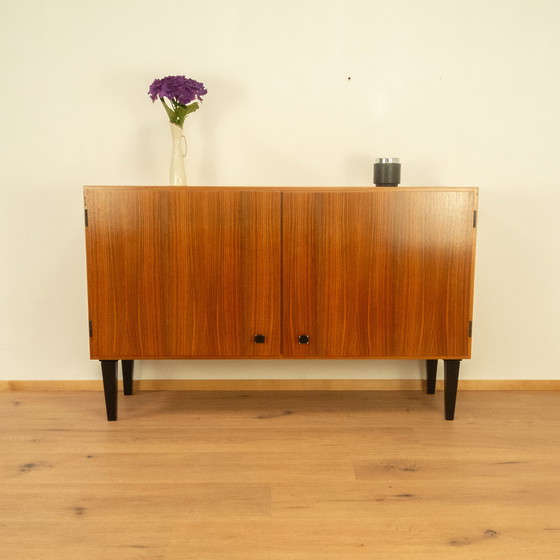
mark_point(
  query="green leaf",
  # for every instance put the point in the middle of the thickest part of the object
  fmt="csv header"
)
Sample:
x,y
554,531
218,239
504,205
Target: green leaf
x,y
178,112
181,111
171,114
192,108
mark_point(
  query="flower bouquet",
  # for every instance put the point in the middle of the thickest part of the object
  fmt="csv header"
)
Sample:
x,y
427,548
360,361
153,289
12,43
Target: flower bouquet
x,y
182,95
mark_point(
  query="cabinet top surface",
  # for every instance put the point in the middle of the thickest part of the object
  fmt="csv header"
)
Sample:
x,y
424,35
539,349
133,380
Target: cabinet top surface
x,y
282,189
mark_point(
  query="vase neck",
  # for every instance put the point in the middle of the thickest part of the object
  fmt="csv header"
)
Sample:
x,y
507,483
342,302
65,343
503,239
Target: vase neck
x,y
176,131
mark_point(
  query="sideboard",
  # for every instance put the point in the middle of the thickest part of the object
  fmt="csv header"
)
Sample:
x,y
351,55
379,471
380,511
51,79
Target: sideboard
x,y
267,272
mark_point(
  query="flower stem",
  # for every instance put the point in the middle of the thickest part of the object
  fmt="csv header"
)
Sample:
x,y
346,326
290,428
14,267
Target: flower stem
x,y
170,112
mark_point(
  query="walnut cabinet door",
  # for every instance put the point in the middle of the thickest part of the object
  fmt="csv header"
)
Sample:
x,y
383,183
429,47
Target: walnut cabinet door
x,y
183,272
385,273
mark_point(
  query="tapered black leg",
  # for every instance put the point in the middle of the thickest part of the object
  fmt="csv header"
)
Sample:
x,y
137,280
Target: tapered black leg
x,y
109,372
431,375
127,373
451,372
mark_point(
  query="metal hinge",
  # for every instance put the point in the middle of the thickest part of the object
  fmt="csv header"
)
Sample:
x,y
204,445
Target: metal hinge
x,y
86,216
90,329
475,218
470,329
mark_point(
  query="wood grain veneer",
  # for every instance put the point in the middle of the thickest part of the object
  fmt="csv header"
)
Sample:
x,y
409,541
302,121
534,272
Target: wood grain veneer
x,y
197,272
174,272
379,273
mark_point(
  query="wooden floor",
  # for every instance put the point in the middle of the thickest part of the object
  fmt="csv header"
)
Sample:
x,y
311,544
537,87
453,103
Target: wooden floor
x,y
280,475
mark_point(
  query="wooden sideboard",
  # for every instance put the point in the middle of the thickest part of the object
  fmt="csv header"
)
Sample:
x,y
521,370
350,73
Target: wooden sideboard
x,y
266,272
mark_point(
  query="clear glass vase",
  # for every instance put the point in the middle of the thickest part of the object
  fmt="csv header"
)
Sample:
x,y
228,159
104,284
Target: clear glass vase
x,y
177,173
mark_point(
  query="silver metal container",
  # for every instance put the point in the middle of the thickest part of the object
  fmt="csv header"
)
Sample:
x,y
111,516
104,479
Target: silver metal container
x,y
387,172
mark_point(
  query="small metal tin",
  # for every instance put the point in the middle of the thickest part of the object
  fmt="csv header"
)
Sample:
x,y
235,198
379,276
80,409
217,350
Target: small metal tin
x,y
387,172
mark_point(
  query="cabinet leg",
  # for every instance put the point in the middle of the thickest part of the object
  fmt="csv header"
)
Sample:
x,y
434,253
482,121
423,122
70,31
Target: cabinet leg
x,y
431,375
109,371
451,372
127,373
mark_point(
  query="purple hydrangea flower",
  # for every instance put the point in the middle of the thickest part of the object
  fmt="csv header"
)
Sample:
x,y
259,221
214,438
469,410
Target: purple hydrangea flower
x,y
182,93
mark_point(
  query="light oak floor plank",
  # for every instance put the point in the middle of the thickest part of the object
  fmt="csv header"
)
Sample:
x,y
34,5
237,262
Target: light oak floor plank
x,y
280,475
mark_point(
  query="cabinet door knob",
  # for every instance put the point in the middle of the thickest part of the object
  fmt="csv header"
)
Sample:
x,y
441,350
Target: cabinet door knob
x,y
259,339
303,339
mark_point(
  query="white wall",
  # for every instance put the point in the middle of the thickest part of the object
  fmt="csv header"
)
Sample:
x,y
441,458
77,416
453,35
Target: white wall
x,y
465,92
